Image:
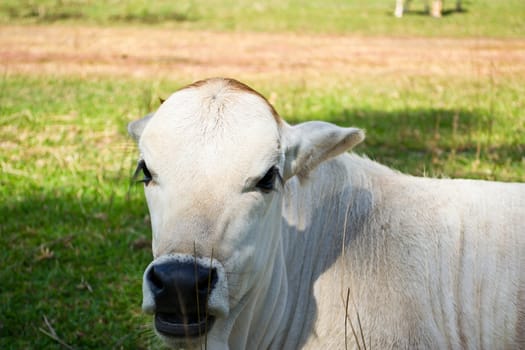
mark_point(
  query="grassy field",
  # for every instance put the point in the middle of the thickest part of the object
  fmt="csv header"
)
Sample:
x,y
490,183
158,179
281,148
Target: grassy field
x,y
372,17
74,230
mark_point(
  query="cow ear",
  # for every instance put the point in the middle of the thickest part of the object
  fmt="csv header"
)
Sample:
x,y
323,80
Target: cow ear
x,y
308,144
136,128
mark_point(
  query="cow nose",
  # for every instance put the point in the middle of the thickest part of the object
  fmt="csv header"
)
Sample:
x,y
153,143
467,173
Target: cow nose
x,y
180,286
180,290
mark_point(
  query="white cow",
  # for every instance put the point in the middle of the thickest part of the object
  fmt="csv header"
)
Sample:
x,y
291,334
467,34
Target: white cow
x,y
435,10
270,236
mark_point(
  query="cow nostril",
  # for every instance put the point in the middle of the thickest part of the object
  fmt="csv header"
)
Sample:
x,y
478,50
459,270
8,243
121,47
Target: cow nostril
x,y
207,280
155,280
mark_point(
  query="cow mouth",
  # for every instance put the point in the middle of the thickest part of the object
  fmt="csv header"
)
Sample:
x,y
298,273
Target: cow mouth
x,y
174,325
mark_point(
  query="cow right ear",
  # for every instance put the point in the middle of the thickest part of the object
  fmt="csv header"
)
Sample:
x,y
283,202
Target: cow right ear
x,y
311,143
136,128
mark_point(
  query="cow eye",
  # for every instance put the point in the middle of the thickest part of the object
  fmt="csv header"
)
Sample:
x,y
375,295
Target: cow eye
x,y
267,183
146,179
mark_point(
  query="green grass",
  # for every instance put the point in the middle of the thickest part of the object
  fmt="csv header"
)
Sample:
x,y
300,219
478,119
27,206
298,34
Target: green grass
x,y
71,227
426,127
481,18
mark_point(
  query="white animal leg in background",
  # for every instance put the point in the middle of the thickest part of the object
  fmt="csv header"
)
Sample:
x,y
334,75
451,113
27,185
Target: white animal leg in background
x,y
437,7
404,5
399,9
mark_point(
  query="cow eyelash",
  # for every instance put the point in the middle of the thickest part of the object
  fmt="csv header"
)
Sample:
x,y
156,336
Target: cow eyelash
x,y
147,178
267,182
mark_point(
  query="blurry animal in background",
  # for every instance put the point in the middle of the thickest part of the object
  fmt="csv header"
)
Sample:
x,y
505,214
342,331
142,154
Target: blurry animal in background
x,y
436,10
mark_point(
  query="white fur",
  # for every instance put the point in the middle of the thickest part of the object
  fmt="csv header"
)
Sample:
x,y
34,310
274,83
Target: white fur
x,y
344,242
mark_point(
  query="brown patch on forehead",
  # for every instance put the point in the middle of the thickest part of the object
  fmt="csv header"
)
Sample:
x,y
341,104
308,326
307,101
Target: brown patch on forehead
x,y
235,85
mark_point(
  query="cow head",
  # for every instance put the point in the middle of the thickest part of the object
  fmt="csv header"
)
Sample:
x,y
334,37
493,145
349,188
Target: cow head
x,y
214,159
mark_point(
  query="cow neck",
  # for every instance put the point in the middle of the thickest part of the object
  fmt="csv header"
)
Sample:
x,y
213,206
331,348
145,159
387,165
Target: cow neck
x,y
315,214
263,307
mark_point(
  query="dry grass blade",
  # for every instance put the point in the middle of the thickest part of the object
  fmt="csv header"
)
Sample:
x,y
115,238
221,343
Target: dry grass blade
x,y
343,245
361,330
209,290
53,335
347,318
197,286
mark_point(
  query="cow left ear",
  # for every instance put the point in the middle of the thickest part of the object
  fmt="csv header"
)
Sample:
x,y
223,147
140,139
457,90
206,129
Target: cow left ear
x,y
136,128
308,144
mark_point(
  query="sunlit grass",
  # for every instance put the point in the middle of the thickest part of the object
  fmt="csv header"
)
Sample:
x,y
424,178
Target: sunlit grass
x,y
482,18
71,226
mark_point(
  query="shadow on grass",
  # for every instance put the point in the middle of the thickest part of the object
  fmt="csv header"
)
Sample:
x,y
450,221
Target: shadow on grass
x,y
444,13
425,10
152,18
40,13
76,264
63,12
417,141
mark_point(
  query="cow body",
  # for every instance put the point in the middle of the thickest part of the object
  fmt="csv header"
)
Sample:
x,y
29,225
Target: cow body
x,y
297,244
428,264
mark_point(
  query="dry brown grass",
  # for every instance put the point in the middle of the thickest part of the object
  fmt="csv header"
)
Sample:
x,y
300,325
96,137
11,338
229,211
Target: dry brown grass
x,y
165,53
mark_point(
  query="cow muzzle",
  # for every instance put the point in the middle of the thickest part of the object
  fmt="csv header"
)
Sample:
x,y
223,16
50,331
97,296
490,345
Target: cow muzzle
x,y
185,294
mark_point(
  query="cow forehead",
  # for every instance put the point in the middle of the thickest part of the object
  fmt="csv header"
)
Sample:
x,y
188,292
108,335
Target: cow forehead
x,y
217,86
214,127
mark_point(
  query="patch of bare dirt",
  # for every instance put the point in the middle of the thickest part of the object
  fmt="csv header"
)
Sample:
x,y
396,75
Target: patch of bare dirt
x,y
166,53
